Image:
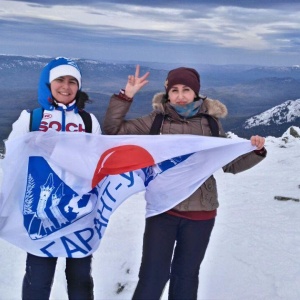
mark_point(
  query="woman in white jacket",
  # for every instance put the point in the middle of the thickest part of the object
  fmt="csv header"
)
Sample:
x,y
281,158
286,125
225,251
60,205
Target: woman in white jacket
x,y
62,102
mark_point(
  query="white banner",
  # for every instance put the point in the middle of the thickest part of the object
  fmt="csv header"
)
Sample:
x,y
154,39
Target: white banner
x,y
59,189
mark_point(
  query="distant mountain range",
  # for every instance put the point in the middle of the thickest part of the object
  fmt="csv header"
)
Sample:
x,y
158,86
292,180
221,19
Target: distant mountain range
x,y
275,119
286,112
249,92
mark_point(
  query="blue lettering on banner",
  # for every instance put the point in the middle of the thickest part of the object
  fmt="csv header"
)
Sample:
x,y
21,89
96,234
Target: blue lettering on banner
x,y
45,251
85,242
108,202
66,242
99,225
71,244
109,194
129,177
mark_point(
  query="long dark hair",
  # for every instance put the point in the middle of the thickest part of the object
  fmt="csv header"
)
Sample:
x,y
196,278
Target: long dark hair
x,y
81,99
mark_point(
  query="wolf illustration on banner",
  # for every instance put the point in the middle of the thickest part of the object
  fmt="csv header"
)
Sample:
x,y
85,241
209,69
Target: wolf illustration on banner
x,y
49,204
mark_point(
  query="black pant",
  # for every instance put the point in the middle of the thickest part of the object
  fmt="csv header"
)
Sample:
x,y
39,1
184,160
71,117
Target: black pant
x,y
39,277
157,265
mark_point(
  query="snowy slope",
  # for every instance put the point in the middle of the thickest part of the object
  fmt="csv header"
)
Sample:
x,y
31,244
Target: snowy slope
x,y
286,112
254,248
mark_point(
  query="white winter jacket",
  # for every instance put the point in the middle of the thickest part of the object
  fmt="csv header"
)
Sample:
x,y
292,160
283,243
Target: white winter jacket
x,y
54,119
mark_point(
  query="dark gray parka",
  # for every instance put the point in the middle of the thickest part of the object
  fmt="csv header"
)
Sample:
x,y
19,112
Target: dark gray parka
x,y
205,198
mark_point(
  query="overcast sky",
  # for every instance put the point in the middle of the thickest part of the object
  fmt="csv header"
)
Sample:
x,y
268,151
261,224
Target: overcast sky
x,y
264,32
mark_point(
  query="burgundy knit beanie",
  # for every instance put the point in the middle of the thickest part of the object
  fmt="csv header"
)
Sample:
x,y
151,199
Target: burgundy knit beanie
x,y
187,76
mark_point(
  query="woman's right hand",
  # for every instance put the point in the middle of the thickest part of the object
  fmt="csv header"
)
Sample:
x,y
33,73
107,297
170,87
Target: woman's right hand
x,y
135,83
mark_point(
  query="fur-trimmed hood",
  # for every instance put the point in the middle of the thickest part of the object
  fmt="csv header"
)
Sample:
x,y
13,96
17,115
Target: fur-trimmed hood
x,y
209,106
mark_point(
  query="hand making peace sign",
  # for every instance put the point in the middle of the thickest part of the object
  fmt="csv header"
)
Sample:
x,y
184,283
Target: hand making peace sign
x,y
135,83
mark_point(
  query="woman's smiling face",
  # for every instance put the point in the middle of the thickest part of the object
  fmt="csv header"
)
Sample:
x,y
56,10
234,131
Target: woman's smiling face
x,y
64,89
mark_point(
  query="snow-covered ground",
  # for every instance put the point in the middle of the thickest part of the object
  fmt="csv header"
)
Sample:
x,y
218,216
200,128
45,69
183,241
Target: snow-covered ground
x,y
254,252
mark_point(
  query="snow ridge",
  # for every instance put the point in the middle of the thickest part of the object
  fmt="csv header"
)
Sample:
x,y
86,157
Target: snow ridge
x,y
286,112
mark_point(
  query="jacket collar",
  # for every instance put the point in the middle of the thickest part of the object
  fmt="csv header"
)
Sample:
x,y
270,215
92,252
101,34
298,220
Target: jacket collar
x,y
69,107
209,106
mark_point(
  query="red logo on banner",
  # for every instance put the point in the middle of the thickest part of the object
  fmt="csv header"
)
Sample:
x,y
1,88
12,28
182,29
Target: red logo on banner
x,y
121,159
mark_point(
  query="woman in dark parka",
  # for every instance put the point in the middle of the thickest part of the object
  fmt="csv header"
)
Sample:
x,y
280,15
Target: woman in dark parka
x,y
175,241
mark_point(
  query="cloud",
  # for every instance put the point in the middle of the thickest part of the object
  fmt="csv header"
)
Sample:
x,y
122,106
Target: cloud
x,y
212,26
173,3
